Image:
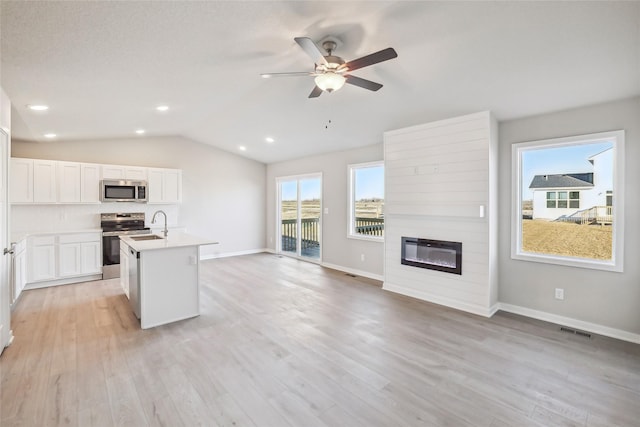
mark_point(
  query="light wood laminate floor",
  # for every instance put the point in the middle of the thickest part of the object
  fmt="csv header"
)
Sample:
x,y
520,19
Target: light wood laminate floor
x,y
282,342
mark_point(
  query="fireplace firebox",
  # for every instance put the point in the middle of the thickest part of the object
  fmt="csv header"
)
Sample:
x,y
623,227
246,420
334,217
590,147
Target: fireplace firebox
x,y
432,254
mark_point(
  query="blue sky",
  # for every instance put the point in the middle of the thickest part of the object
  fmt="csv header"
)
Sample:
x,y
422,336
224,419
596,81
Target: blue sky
x,y
551,161
309,189
370,184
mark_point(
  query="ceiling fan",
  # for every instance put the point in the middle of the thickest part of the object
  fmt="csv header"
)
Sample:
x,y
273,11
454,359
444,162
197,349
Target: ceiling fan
x,y
332,72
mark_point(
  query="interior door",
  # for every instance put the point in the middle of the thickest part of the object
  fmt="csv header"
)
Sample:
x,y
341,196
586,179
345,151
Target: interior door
x,y
5,244
299,216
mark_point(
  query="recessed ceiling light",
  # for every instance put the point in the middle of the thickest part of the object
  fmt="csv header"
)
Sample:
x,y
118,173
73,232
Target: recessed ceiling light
x,y
162,108
140,131
269,139
50,135
38,107
242,148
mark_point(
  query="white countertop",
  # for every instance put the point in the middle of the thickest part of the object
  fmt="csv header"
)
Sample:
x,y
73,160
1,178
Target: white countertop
x,y
20,235
173,240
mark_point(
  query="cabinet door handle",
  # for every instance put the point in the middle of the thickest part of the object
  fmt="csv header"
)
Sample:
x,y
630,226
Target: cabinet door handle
x,y
8,251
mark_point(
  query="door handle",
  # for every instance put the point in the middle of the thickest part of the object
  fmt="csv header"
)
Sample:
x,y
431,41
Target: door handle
x,y
8,251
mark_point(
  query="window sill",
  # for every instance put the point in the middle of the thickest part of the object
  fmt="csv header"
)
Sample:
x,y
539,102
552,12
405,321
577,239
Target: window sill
x,y
367,238
569,261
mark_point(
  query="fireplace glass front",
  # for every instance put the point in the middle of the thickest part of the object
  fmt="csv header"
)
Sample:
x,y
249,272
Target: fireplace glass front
x,y
432,254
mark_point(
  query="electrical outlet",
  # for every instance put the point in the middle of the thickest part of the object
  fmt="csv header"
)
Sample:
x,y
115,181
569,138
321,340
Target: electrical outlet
x,y
559,293
361,257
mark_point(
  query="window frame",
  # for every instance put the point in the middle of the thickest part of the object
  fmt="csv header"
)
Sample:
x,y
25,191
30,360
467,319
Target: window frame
x,y
351,234
617,247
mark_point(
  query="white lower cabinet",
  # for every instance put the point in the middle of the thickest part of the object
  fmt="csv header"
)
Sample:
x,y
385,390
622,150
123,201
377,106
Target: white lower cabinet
x,y
41,258
19,270
91,257
63,258
124,268
69,262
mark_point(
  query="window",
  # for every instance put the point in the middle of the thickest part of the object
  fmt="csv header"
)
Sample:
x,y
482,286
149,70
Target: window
x,y
366,196
564,211
562,199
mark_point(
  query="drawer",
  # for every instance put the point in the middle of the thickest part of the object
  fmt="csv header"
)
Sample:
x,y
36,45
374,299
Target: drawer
x,y
42,240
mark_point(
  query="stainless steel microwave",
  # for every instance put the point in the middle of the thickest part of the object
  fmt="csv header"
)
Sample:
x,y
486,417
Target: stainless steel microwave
x,y
113,190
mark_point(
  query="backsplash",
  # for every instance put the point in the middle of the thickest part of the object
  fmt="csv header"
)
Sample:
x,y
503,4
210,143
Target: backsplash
x,y
49,218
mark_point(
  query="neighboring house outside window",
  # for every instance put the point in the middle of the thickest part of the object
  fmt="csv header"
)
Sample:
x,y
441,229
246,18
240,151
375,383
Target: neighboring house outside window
x,y
565,196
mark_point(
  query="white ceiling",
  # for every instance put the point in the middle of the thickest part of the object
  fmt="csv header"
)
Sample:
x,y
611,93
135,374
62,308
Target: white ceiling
x,y
104,66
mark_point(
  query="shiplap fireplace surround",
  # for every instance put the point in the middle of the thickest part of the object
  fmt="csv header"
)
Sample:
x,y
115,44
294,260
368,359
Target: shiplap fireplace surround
x,y
441,183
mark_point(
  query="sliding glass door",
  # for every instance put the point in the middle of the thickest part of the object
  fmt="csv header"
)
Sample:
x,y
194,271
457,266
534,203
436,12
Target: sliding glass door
x,y
299,216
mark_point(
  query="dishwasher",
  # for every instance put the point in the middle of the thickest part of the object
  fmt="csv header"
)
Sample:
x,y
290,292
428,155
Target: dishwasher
x,y
134,281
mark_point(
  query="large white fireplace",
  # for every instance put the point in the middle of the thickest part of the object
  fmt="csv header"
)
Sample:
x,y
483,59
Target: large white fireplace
x,y
440,212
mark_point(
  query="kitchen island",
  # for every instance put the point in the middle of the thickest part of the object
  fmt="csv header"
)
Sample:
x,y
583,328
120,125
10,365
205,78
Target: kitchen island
x,y
162,276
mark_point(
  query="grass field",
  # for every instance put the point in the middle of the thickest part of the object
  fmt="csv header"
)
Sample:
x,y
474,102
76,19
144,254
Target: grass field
x,y
568,239
311,209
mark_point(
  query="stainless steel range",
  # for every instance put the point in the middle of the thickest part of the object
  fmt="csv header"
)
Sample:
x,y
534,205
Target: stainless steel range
x,y
113,226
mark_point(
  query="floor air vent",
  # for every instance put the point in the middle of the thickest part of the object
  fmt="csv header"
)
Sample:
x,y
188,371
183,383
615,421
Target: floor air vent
x,y
575,332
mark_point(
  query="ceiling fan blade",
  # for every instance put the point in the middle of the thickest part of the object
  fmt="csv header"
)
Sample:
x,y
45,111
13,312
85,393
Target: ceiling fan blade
x,y
293,74
316,92
363,83
311,49
374,58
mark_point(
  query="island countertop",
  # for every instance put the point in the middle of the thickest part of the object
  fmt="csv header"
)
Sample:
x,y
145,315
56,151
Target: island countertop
x,y
173,240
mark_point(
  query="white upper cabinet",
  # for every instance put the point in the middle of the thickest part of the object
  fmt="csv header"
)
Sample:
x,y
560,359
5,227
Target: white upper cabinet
x,y
44,181
51,181
90,183
112,172
69,182
133,173
165,185
21,180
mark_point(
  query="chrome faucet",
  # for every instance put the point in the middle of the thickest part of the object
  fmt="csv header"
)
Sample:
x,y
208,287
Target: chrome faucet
x,y
153,221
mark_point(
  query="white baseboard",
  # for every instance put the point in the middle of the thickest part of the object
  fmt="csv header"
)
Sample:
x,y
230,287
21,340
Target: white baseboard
x,y
447,302
65,281
353,271
573,323
230,254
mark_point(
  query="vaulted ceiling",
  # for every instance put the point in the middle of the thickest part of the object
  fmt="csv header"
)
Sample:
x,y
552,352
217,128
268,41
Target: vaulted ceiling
x,y
103,67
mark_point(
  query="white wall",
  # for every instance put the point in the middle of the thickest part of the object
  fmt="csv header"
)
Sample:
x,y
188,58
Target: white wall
x,y
338,250
607,299
223,194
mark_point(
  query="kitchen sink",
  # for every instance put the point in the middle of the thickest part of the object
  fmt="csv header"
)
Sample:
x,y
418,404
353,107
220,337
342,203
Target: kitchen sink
x,y
146,237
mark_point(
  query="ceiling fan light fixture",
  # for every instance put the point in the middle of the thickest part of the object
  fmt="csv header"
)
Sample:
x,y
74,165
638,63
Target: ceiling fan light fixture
x,y
330,81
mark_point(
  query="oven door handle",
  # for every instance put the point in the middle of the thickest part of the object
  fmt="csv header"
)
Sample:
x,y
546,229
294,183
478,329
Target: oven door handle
x,y
124,233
